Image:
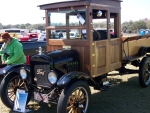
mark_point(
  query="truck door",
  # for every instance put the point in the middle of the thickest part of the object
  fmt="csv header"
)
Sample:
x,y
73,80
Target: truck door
x,y
100,45
106,55
115,42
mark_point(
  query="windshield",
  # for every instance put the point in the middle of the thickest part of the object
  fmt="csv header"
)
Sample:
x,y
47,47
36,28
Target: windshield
x,y
70,23
73,17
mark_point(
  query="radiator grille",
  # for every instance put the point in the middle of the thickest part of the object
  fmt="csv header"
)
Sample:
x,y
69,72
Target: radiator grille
x,y
41,74
72,66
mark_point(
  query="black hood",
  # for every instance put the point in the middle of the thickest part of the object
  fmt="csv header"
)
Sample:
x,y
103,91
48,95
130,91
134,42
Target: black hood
x,y
57,56
62,54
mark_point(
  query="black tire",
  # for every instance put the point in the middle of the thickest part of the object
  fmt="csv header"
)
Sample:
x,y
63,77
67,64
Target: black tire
x,y
144,72
9,86
75,97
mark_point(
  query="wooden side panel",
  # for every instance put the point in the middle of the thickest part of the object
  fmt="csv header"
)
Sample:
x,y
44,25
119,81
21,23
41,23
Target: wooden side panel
x,y
101,57
84,55
131,48
115,54
53,47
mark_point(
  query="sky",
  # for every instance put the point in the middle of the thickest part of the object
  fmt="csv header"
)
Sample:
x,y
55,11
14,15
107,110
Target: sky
x,y
26,11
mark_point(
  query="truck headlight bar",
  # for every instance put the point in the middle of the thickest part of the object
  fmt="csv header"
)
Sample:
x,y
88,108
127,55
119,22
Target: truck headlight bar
x,y
23,73
52,77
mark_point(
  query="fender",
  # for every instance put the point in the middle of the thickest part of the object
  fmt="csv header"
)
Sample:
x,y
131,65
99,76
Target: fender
x,y
12,68
68,77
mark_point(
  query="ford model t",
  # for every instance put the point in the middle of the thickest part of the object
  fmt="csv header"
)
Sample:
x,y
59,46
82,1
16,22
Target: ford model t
x,y
84,44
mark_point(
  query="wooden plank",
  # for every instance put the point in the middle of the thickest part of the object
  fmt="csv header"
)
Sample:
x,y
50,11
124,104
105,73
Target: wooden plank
x,y
71,42
63,4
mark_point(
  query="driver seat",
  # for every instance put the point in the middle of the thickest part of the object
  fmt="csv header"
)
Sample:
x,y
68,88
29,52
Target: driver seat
x,y
96,35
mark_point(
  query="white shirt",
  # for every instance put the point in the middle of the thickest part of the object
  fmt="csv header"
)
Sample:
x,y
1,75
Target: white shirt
x,y
41,37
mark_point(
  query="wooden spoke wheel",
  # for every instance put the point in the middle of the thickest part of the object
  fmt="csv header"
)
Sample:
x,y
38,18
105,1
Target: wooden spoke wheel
x,y
9,86
144,72
75,98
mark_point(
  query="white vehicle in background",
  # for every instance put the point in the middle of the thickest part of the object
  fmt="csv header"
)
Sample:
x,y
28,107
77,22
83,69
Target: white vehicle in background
x,y
72,35
42,36
15,32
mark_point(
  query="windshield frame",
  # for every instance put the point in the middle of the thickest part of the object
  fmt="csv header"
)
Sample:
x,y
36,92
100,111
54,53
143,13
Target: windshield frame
x,y
80,26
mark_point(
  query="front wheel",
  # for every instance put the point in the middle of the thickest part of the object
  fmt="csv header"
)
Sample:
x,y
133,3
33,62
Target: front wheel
x,y
75,98
9,86
144,72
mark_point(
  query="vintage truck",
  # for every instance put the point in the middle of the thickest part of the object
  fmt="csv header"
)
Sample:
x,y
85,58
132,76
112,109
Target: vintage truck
x,y
63,74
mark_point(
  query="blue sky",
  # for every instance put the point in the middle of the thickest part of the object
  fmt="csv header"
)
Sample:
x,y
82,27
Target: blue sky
x,y
26,11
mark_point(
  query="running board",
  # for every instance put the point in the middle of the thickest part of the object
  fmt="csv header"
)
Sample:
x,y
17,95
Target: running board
x,y
106,85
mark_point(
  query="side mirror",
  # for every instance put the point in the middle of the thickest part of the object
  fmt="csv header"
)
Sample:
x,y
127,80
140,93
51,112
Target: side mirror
x,y
99,13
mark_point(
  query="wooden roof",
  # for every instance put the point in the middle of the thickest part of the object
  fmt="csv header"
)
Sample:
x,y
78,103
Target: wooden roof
x,y
67,3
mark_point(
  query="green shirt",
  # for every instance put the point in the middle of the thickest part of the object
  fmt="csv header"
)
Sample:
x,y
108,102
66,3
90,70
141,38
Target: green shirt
x,y
15,51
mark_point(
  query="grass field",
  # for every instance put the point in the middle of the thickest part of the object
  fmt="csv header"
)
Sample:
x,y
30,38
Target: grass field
x,y
126,96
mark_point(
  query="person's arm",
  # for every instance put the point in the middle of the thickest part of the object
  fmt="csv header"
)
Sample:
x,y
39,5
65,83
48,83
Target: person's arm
x,y
2,54
18,51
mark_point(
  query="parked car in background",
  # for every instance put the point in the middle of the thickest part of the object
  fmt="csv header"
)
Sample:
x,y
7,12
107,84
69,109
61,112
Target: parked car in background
x,y
42,37
29,37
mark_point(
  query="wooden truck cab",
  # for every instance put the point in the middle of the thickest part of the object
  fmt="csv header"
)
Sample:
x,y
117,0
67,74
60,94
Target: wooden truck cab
x,y
84,44
97,55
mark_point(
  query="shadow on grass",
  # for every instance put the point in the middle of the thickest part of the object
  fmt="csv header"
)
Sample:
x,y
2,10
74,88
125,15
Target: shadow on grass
x,y
125,97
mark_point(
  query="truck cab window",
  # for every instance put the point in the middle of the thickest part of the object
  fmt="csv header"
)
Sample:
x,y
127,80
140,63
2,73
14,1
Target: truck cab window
x,y
69,18
99,24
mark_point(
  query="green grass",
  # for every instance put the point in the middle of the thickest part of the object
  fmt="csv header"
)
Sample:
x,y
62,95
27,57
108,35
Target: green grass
x,y
125,97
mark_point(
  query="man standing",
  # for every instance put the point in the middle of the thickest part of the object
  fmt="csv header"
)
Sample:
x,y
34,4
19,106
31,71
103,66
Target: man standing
x,y
11,51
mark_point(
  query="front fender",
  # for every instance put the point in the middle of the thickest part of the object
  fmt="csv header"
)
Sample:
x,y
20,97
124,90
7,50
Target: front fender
x,y
68,77
11,68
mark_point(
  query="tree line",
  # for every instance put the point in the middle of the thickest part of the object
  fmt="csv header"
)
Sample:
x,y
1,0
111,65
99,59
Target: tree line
x,y
135,26
24,26
126,27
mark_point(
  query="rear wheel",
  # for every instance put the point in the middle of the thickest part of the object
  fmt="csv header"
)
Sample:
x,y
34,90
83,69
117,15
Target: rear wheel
x,y
144,72
74,98
9,86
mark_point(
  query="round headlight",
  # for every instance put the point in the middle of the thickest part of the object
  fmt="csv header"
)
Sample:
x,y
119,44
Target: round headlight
x,y
23,73
52,77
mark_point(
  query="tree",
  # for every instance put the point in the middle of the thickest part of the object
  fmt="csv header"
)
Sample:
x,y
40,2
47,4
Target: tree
x,y
1,26
22,26
140,25
148,24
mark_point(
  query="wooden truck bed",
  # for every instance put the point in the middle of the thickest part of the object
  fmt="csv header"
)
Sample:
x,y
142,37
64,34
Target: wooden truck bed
x,y
131,46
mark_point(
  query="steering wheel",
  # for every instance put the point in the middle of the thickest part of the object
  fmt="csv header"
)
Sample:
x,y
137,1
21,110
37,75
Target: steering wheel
x,y
96,34
84,36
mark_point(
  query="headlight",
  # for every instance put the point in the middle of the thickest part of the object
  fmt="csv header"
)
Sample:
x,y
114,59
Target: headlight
x,y
52,77
23,73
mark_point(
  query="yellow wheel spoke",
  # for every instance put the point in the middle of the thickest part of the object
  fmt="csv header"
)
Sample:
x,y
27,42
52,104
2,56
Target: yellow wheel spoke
x,y
73,111
11,95
79,94
78,111
10,91
76,94
69,107
70,102
73,97
70,110
19,82
82,100
12,84
16,82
